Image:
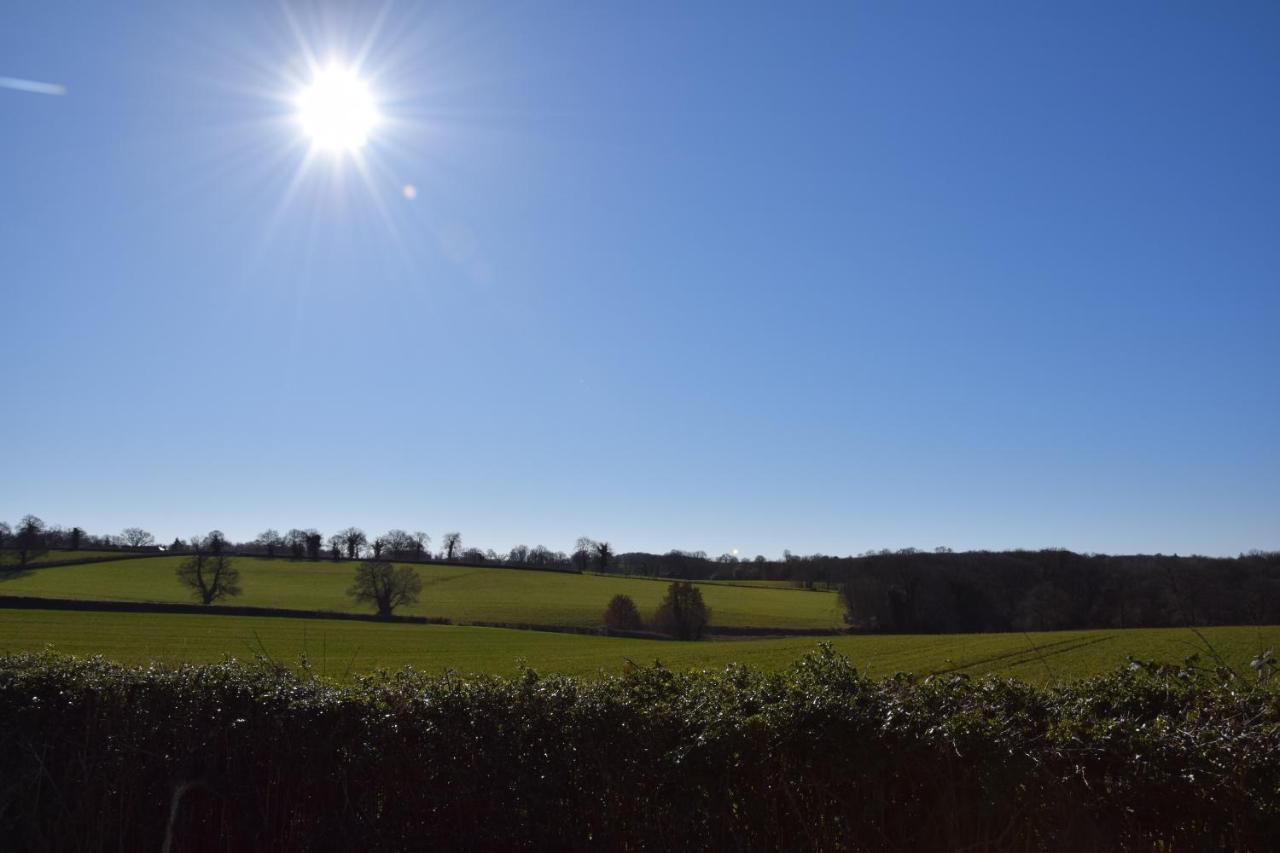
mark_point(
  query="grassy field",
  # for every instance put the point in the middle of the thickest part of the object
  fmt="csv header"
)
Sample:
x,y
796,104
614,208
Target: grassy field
x,y
339,647
461,593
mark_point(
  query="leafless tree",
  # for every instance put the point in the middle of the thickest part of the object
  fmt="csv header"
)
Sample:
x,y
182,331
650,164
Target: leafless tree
x,y
55,536
29,539
421,545
297,541
354,539
136,537
385,586
582,551
452,544
269,539
209,572
399,544
336,542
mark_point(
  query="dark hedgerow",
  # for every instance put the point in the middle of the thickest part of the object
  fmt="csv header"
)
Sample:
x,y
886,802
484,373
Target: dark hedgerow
x,y
227,756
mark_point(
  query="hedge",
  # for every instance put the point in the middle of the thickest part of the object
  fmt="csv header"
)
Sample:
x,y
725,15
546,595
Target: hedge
x,y
97,756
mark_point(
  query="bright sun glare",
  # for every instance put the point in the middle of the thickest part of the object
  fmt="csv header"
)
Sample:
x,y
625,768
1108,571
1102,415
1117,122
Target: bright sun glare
x,y
337,111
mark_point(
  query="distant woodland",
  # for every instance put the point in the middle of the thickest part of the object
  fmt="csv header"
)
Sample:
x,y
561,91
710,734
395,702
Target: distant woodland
x,y
910,591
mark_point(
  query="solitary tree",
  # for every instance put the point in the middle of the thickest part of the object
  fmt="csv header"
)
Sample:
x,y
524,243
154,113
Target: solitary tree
x,y
421,542
385,586
209,572
621,614
682,613
136,537
452,544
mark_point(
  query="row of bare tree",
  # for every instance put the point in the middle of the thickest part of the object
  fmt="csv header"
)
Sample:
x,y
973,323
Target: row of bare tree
x,y
32,538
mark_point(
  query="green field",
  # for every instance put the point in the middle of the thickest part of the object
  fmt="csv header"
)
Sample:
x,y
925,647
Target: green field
x,y
460,593
337,647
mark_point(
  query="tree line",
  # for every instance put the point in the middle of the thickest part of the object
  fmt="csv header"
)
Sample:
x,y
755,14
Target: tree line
x,y
903,591
32,538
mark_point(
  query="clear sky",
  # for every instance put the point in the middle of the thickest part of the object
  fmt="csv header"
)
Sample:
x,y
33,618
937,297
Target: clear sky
x,y
707,276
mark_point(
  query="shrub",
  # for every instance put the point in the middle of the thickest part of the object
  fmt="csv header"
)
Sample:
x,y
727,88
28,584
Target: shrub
x,y
682,614
227,756
622,615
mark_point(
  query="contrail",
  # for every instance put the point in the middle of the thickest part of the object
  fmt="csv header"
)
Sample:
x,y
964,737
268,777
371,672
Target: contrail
x,y
32,86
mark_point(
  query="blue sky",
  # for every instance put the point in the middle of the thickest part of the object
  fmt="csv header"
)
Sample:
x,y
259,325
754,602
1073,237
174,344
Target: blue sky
x,y
817,277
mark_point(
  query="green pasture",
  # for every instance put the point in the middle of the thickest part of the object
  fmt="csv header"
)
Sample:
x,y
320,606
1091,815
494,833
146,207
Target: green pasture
x,y
337,648
460,593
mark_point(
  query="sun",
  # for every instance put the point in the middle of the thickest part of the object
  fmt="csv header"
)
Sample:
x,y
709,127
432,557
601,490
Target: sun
x,y
337,111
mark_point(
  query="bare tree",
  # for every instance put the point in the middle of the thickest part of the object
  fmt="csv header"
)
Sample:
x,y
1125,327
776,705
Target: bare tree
x,y
377,547
269,539
76,537
582,551
354,539
518,554
6,533
209,572
297,541
452,544
335,546
29,539
604,555
55,536
421,544
136,537
385,586
399,544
